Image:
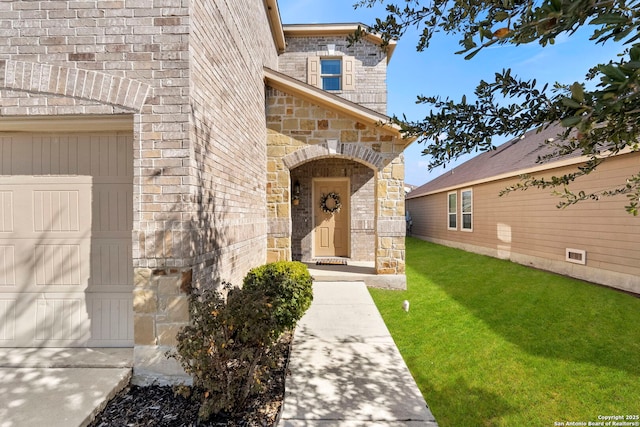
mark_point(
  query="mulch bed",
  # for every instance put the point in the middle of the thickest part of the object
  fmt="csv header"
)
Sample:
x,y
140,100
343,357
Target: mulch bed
x,y
160,406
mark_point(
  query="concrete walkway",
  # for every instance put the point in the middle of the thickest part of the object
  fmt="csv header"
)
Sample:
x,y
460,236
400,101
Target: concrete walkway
x,y
59,387
345,369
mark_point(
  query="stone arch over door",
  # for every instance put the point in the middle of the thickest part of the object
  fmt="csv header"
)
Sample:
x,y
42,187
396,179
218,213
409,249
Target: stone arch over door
x,y
351,151
388,223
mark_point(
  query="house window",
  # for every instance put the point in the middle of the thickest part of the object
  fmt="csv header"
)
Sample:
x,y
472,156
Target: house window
x,y
453,211
467,210
331,74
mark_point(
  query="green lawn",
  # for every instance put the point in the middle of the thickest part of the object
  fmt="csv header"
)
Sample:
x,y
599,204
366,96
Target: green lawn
x,y
490,342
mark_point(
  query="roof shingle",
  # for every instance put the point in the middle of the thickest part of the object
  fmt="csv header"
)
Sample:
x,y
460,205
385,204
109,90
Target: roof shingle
x,y
515,155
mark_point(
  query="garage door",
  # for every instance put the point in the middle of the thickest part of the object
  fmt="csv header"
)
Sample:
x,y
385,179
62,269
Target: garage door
x,y
65,240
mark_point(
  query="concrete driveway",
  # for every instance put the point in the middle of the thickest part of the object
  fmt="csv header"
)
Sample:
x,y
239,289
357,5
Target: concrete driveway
x,y
62,387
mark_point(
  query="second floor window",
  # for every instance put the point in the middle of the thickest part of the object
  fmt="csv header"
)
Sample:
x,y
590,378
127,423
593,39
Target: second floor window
x,y
331,74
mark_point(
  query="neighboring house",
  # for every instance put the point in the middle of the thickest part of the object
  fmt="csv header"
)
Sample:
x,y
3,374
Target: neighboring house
x,y
137,161
594,240
408,188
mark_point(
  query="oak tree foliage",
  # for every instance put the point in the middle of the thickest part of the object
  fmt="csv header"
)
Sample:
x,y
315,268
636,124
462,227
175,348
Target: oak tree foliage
x,y
596,123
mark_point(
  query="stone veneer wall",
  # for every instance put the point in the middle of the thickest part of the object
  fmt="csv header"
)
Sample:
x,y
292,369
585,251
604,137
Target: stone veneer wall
x,y
370,72
298,132
190,74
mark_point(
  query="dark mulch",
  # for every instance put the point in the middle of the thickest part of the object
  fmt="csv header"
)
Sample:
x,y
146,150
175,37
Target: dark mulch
x,y
161,406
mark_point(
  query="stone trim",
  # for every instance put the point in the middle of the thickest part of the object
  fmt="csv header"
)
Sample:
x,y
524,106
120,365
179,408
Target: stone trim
x,y
73,82
356,152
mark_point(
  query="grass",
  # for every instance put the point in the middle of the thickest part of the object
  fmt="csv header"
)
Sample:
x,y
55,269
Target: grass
x,y
493,343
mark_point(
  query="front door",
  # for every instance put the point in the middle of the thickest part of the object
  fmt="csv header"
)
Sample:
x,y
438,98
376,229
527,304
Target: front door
x,y
331,232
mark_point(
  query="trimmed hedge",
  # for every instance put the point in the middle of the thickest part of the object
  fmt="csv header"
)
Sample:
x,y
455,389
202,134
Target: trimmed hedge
x,y
289,285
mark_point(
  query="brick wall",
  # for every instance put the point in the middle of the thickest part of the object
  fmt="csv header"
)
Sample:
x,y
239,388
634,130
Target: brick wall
x,y
371,67
197,113
190,74
230,45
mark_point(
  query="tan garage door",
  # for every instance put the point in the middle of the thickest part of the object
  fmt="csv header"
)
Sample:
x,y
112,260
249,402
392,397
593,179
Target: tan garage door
x,y
65,240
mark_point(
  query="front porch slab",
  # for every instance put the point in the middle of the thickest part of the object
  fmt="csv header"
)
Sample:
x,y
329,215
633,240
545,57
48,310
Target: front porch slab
x,y
357,271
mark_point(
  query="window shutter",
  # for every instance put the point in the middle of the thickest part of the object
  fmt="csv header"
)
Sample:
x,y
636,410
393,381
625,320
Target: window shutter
x,y
348,73
313,71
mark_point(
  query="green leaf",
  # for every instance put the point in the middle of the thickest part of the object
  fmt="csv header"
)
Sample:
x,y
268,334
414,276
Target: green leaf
x,y
568,102
613,72
571,121
577,92
609,18
501,16
472,54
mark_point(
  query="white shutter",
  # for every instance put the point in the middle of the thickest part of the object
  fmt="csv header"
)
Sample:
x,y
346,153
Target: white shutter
x,y
348,73
313,71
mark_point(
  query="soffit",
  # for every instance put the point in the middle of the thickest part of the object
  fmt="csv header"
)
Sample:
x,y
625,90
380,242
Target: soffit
x,y
318,30
273,15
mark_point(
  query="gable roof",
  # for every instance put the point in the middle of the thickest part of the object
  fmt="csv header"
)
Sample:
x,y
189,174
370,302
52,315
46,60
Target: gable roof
x,y
344,29
515,157
333,102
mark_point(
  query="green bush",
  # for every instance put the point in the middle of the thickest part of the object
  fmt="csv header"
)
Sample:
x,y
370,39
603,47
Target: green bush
x,y
227,347
289,284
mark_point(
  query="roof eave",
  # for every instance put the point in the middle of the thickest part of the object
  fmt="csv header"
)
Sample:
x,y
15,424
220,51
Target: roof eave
x,y
275,23
512,174
306,30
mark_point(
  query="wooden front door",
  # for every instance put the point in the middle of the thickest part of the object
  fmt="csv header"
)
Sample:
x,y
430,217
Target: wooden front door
x,y
331,232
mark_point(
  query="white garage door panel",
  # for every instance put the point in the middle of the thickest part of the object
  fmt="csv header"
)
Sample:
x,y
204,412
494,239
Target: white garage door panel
x,y
60,320
7,320
66,319
51,238
65,240
111,319
44,319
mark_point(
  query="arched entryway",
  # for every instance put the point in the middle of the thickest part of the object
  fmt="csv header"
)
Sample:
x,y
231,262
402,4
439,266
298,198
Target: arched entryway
x,y
350,232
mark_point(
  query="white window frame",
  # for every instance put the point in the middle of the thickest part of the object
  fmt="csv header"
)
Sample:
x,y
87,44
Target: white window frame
x,y
455,210
331,76
347,72
469,212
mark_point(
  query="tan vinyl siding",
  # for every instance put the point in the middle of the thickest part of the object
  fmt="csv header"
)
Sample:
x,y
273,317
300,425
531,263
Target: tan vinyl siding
x,y
528,223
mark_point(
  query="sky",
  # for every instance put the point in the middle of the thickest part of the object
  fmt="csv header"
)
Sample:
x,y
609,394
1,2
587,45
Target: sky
x,y
438,71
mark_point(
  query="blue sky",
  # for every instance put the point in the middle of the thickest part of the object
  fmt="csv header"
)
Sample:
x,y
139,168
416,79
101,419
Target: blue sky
x,y
438,71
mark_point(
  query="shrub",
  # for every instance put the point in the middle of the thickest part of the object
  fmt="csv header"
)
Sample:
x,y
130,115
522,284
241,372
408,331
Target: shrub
x,y
227,346
289,284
